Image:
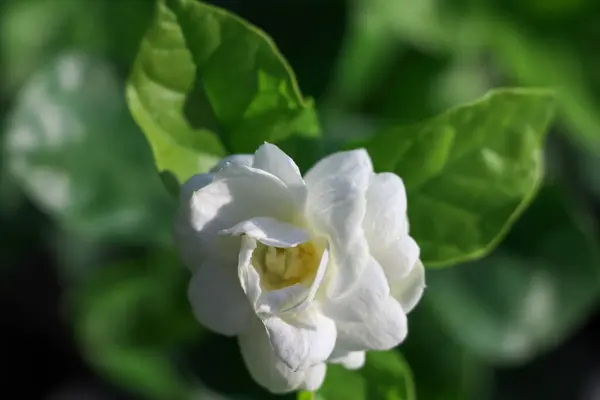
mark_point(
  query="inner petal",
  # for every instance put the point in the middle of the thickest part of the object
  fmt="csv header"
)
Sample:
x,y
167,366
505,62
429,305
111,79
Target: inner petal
x,y
280,267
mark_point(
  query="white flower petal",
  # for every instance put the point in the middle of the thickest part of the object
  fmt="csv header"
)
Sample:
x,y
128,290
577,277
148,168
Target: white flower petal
x,y
235,159
190,253
316,284
270,158
298,346
270,232
218,300
409,290
382,331
222,204
314,377
350,360
335,208
385,219
264,365
248,276
398,257
363,300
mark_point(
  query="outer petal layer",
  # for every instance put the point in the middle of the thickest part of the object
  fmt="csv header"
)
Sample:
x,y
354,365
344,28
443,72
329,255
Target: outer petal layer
x,y
230,197
264,365
270,158
385,217
335,208
302,347
350,360
236,159
363,300
382,331
409,290
217,299
314,377
398,257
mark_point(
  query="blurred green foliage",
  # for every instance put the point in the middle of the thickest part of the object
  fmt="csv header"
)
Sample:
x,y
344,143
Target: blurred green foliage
x,y
385,376
131,317
73,146
398,62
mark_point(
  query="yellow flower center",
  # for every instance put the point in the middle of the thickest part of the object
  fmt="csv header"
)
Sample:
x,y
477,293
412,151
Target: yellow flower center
x,y
283,267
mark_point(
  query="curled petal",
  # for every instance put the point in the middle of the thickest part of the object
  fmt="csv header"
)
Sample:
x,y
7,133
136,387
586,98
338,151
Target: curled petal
x,y
270,158
270,232
289,300
265,303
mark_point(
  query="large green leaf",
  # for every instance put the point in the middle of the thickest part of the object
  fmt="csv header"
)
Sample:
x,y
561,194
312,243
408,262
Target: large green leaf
x,y
74,148
205,81
468,172
130,317
529,294
385,376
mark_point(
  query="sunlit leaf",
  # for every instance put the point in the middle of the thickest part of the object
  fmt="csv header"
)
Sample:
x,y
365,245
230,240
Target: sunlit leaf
x,y
206,82
470,172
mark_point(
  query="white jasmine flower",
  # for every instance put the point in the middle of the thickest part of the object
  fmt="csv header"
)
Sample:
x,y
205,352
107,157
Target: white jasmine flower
x,y
303,270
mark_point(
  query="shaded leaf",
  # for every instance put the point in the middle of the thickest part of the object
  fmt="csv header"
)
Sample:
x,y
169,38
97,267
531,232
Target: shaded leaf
x,y
529,294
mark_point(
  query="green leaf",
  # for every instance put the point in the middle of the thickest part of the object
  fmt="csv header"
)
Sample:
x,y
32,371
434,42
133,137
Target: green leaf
x,y
205,81
73,147
130,317
529,294
385,376
469,172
